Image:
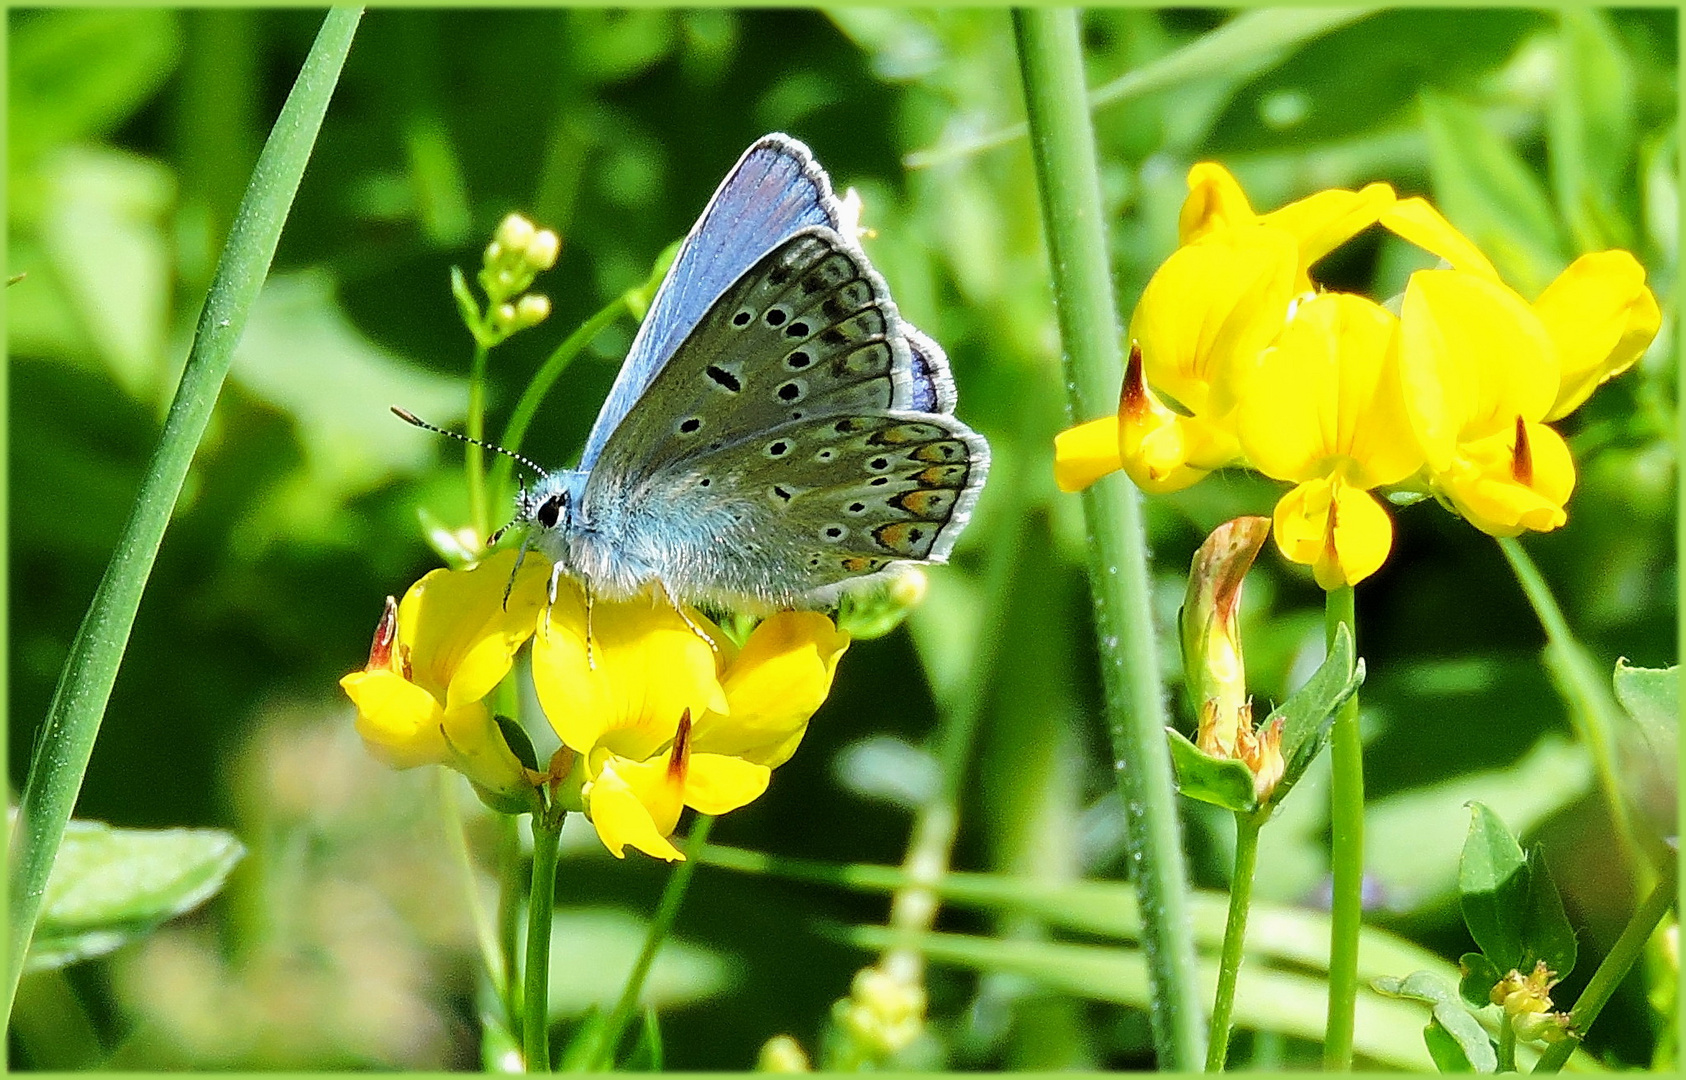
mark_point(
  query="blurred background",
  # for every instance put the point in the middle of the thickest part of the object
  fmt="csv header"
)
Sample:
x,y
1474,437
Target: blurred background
x,y
342,939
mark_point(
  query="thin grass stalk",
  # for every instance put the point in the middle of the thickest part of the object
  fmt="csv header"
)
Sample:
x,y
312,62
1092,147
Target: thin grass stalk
x,y
1063,147
1346,851
667,911
66,739
1593,712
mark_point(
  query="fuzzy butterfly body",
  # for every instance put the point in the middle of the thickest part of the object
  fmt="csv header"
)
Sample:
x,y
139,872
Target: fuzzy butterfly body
x,y
777,433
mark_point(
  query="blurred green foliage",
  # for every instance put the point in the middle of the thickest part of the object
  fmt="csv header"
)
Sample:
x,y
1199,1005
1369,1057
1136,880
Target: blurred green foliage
x,y
132,133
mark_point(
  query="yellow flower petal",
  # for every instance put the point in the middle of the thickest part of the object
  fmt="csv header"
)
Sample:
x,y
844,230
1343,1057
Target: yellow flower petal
x,y
1341,532
645,669
1324,221
1502,493
1327,396
1602,317
773,686
1415,220
1473,357
1215,201
398,720
1208,311
623,819
1086,453
461,640
715,783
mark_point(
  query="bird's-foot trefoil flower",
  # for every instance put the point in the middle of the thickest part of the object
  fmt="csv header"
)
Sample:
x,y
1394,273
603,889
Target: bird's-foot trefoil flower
x,y
663,718
435,657
1323,410
1480,373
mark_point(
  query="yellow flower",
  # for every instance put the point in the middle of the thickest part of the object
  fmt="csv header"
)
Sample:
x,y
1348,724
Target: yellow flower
x,y
662,720
1323,410
1319,223
1481,373
435,657
1602,318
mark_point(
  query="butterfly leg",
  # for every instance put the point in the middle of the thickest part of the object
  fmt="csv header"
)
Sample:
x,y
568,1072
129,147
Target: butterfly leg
x,y
695,629
590,657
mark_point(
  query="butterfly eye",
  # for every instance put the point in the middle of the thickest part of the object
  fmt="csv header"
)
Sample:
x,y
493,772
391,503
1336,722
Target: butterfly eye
x,y
550,510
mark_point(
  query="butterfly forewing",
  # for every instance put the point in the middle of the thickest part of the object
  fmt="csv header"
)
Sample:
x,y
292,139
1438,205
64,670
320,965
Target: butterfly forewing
x,y
775,189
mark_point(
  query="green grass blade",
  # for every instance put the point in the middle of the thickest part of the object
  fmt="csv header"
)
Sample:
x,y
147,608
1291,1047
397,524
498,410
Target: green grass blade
x,y
66,739
1063,146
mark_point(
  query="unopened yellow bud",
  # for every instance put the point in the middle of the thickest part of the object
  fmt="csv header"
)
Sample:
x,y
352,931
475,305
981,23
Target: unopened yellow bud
x,y
1213,672
514,234
782,1054
531,310
1527,1004
908,588
503,317
543,249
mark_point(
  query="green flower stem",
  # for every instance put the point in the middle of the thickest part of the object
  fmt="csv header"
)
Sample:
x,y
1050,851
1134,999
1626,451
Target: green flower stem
x,y
1593,711
475,457
666,912
1346,852
541,901
1247,828
551,370
1507,1046
510,887
1063,149
66,739
1613,970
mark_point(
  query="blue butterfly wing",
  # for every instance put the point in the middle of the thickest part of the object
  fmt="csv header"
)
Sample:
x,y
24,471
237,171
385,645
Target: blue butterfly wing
x,y
775,189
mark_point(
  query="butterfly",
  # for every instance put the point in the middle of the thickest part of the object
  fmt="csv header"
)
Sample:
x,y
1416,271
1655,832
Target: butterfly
x,y
778,432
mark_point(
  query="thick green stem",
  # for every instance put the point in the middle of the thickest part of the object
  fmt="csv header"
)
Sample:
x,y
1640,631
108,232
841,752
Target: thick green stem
x,y
1346,853
551,370
66,739
541,901
1613,970
1507,1046
475,457
1593,712
1063,148
660,926
1247,828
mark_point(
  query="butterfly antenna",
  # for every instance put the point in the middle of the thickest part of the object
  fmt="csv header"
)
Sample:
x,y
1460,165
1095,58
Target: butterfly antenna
x,y
411,418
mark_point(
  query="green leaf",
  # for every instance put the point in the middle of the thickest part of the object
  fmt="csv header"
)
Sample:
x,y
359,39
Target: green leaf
x,y
1444,1048
1309,712
1484,188
1493,888
1652,697
110,886
1456,1021
1223,782
1479,978
1591,130
1547,936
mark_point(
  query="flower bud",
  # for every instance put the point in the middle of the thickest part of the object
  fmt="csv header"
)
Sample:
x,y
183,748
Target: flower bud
x,y
543,249
514,234
782,1054
503,318
531,310
1214,675
883,1013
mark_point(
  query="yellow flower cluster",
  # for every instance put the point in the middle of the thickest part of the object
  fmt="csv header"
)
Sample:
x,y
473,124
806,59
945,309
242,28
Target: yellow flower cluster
x,y
1237,358
657,718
